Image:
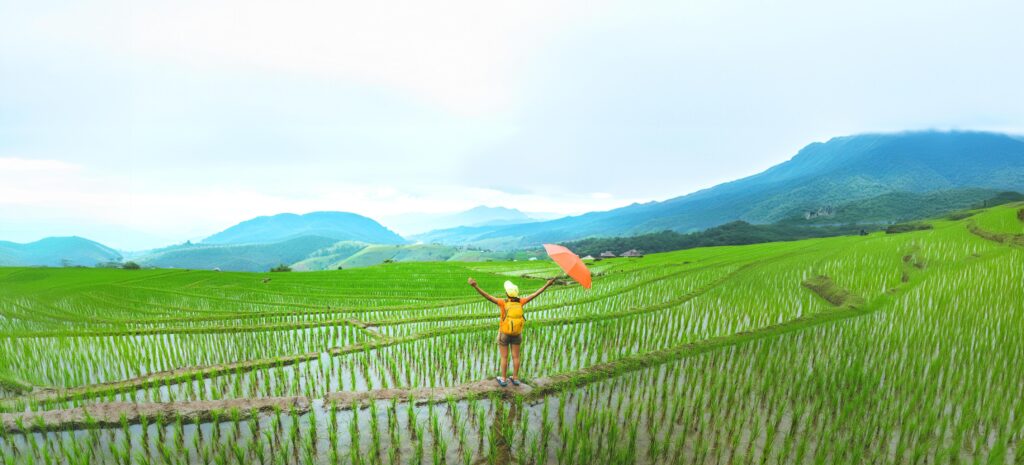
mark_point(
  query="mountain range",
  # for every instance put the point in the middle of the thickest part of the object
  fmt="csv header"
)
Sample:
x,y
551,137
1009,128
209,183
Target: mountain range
x,y
842,170
267,241
870,178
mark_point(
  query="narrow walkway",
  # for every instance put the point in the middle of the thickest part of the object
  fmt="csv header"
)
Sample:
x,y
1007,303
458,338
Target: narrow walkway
x,y
111,414
423,395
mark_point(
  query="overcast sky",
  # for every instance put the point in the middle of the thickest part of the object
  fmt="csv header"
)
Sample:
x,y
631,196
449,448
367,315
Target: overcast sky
x,y
140,124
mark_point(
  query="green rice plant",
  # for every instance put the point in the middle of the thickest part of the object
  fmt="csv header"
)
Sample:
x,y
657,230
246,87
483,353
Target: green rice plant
x,y
293,426
418,447
265,446
375,441
353,429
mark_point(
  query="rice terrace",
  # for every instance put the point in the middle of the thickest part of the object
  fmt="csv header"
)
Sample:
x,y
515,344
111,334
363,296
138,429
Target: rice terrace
x,y
885,348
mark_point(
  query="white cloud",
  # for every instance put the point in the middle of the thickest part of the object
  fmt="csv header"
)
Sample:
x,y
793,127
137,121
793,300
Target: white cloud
x,y
463,55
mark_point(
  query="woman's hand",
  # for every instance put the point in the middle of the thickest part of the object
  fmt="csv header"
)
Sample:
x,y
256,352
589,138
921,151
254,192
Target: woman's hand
x,y
472,282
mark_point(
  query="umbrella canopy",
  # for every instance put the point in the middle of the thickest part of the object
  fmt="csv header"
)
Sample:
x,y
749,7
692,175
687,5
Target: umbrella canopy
x,y
570,263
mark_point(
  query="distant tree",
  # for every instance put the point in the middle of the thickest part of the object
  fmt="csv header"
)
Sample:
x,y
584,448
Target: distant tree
x,y
65,262
389,260
282,268
340,268
1001,199
130,265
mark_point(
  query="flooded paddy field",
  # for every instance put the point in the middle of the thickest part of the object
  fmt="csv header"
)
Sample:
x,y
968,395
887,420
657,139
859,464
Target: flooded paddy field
x,y
899,348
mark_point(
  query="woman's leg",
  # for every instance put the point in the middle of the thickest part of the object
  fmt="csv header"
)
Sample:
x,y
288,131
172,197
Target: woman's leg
x,y
515,361
503,355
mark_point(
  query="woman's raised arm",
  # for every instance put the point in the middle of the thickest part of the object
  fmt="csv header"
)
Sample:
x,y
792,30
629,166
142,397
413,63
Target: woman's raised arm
x,y
538,292
472,282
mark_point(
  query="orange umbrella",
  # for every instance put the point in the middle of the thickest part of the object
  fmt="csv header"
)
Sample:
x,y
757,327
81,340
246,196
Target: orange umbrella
x,y
570,263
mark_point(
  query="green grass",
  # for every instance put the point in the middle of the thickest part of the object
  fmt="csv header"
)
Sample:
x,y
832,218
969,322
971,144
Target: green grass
x,y
886,348
1002,220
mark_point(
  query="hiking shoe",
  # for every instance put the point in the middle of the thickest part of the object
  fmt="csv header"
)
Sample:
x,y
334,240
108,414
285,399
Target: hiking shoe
x,y
515,382
501,382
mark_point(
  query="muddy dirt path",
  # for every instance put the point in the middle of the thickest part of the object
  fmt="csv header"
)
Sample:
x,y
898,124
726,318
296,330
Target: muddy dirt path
x,y
110,414
828,290
424,395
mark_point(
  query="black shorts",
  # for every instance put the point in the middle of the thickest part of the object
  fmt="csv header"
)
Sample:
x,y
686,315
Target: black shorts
x,y
506,340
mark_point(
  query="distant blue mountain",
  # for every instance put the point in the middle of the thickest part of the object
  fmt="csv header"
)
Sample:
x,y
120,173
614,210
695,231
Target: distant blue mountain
x,y
57,251
340,226
418,223
836,172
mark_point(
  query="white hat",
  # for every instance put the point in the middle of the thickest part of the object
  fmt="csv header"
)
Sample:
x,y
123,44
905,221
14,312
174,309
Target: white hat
x,y
511,289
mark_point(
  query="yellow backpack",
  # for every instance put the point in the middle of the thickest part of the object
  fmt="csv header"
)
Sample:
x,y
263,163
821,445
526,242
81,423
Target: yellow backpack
x,y
512,321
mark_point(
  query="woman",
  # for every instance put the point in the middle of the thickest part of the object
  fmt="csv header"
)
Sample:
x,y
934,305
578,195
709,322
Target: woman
x,y
510,325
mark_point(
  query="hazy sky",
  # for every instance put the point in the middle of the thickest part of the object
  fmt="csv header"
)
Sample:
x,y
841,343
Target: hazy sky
x,y
139,123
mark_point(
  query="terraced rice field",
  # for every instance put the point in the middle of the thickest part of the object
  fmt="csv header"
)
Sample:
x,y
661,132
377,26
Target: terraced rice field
x,y
901,348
